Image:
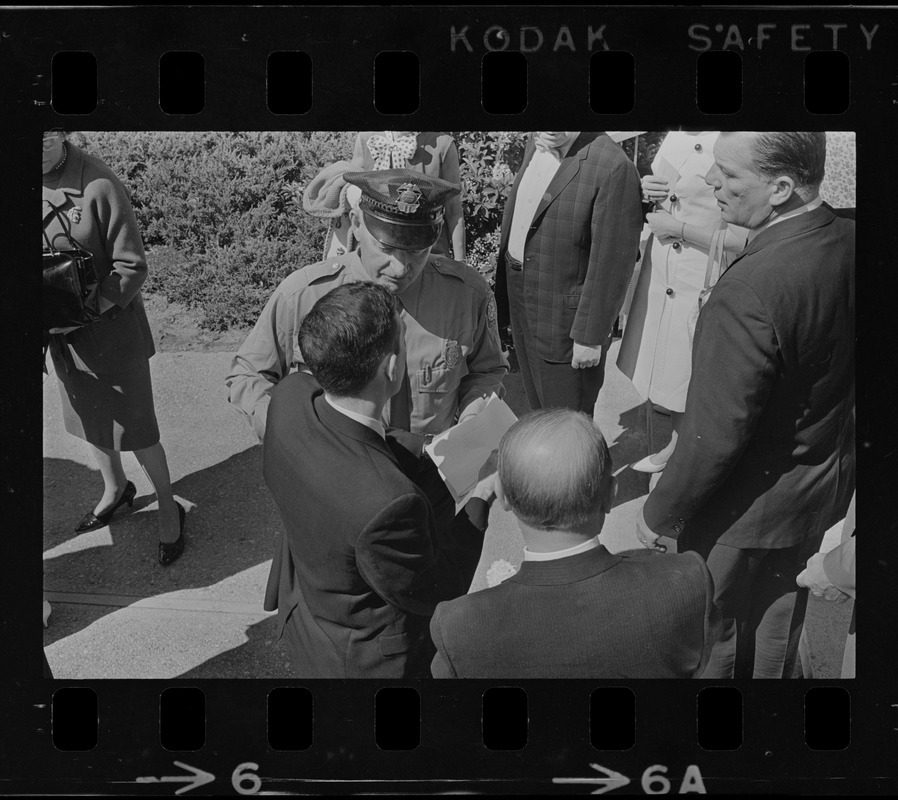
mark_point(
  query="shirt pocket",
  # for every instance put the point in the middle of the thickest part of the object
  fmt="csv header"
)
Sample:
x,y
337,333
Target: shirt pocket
x,y
435,389
440,380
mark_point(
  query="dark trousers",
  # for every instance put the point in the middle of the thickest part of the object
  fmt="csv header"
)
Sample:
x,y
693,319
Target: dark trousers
x,y
763,609
549,384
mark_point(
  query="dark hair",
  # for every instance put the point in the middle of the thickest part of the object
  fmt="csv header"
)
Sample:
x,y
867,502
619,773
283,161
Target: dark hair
x,y
553,464
799,154
347,334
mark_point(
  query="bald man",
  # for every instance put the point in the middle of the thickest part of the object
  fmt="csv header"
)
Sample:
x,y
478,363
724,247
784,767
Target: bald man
x,y
574,610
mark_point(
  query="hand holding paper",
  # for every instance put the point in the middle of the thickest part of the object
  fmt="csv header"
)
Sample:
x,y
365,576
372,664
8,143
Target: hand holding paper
x,y
462,452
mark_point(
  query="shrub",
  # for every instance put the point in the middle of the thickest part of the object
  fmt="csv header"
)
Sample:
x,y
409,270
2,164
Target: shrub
x,y
221,212
489,160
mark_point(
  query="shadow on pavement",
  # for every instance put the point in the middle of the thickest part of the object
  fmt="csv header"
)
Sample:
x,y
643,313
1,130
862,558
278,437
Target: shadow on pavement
x,y
629,446
231,526
261,657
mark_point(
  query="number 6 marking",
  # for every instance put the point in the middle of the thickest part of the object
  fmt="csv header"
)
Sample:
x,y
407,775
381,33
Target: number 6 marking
x,y
244,778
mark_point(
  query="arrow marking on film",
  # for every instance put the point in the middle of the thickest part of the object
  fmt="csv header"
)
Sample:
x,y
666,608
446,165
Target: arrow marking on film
x,y
613,780
197,779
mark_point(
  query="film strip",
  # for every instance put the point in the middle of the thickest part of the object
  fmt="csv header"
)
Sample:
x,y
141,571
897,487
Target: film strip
x,y
482,68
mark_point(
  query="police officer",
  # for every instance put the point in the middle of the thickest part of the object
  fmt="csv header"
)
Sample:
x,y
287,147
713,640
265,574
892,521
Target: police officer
x,y
455,360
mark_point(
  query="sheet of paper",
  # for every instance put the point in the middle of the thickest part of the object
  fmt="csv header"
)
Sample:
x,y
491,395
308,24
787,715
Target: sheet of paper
x,y
461,451
664,169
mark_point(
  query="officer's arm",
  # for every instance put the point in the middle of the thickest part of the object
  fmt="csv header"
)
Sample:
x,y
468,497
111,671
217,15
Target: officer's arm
x,y
261,362
487,364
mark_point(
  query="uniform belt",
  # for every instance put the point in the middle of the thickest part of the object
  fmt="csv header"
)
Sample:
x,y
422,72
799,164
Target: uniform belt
x,y
513,262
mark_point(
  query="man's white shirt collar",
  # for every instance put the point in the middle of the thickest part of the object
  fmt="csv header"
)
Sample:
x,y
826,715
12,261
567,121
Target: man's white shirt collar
x,y
813,205
585,547
559,152
369,422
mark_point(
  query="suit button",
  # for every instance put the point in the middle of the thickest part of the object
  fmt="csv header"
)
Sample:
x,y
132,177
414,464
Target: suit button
x,y
669,292
698,148
677,528
673,198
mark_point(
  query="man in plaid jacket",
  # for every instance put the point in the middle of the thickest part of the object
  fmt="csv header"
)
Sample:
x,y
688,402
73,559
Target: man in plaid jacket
x,y
568,247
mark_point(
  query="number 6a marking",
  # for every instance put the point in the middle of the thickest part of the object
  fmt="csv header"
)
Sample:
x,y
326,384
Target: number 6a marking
x,y
654,782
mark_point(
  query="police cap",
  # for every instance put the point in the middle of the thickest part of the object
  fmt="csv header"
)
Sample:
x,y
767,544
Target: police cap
x,y
403,209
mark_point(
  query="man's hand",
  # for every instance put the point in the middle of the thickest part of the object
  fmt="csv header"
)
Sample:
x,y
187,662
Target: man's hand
x,y
474,407
814,578
647,537
655,189
664,226
586,356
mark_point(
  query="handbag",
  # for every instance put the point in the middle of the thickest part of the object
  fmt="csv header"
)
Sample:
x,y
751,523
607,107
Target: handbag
x,y
716,259
69,281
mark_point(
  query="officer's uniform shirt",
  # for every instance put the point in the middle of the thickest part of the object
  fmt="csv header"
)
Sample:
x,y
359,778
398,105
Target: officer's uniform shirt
x,y
453,351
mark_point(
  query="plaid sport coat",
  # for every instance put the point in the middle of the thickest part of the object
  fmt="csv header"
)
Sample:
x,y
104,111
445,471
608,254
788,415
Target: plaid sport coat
x,y
581,249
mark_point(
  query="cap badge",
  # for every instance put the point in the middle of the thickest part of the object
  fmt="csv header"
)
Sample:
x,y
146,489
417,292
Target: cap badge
x,y
75,215
409,199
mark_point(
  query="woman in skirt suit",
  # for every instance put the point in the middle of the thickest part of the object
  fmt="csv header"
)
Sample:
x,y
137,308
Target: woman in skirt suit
x,y
656,349
103,368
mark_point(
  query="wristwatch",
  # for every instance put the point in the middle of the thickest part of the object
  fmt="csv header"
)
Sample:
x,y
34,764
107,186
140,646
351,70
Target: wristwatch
x,y
428,438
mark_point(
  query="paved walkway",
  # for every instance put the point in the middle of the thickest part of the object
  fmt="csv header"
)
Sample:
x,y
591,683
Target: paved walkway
x,y
118,614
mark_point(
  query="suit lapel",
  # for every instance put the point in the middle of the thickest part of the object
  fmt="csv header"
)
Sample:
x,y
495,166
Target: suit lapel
x,y
570,166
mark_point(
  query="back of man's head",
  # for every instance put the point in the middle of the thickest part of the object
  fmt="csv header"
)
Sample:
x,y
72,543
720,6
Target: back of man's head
x,y
347,334
555,469
799,154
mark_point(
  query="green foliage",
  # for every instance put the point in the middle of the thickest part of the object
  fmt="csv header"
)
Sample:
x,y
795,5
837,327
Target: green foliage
x,y
221,212
489,160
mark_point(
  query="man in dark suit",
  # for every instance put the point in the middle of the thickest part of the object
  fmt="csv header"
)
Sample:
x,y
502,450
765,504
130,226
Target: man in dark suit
x,y
361,566
568,247
574,610
765,459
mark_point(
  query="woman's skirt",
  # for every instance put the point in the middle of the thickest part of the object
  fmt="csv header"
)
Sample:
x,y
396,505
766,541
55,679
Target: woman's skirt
x,y
105,384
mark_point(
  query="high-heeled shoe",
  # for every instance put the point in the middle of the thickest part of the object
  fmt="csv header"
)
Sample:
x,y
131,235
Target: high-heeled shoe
x,y
647,465
93,522
169,552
